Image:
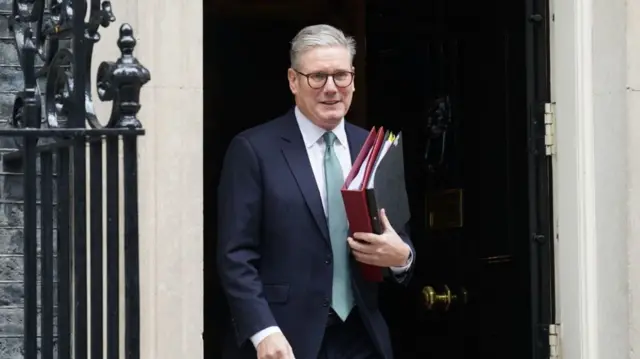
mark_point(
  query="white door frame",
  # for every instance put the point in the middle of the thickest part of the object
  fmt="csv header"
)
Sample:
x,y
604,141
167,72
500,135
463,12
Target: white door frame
x,y
573,174
588,75
573,167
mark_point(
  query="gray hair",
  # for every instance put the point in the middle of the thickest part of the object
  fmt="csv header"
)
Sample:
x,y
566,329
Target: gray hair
x,y
319,36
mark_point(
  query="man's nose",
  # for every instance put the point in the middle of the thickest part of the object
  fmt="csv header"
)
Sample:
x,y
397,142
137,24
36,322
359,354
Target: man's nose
x,y
330,86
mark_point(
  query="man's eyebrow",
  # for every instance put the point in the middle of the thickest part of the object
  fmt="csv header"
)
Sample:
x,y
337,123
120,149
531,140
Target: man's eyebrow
x,y
328,72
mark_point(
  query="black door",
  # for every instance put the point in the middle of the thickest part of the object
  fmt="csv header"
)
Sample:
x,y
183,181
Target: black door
x,y
466,82
456,77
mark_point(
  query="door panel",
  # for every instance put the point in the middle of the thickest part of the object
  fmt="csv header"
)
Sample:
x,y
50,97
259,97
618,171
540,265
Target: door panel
x,y
458,83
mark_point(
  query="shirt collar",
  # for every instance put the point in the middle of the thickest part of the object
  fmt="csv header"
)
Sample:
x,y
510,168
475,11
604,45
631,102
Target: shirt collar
x,y
311,132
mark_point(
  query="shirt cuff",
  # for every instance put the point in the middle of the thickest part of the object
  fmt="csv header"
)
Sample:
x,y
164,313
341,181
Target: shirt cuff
x,y
401,270
259,336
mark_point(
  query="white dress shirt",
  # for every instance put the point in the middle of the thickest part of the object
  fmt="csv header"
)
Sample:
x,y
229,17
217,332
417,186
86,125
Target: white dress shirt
x,y
314,142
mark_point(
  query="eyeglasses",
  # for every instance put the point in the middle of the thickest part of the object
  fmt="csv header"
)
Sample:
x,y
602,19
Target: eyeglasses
x,y
317,80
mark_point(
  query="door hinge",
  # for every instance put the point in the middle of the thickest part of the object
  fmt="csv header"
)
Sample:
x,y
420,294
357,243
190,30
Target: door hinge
x,y
549,128
554,341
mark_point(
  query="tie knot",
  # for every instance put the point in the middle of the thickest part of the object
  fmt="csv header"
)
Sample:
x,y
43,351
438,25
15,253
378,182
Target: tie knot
x,y
329,138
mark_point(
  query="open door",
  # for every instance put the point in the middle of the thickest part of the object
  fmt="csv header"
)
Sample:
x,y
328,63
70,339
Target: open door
x,y
541,141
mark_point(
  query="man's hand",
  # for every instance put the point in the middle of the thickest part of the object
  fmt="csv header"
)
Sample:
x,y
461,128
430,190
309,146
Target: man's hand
x,y
275,346
382,250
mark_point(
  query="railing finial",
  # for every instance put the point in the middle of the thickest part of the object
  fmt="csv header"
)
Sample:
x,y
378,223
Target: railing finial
x,y
121,82
126,41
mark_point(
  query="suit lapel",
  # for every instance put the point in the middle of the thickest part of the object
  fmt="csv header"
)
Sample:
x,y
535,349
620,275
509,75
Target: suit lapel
x,y
295,154
355,141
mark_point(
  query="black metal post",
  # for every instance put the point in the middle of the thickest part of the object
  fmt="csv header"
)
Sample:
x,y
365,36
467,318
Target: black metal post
x,y
46,240
77,120
79,206
30,251
113,248
64,251
131,250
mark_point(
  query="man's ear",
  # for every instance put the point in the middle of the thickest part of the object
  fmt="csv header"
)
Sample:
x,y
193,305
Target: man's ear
x,y
353,84
293,85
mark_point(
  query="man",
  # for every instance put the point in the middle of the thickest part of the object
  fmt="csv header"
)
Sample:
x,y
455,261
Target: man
x,y
286,263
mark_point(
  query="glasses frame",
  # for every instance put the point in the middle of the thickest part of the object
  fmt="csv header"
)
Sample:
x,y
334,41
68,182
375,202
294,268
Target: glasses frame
x,y
353,76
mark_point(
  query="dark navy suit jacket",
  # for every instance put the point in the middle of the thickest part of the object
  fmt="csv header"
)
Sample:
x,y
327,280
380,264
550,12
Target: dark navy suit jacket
x,y
274,252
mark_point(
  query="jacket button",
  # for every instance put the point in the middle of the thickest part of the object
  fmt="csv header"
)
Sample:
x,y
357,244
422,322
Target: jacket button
x,y
325,303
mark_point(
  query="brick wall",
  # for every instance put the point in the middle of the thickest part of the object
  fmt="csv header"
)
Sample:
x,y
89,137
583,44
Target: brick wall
x,y
11,269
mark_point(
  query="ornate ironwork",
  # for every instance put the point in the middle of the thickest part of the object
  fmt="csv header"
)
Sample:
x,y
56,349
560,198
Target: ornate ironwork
x,y
121,81
55,45
41,29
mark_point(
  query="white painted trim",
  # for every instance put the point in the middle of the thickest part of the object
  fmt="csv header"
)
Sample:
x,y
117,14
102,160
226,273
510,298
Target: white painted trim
x,y
586,196
574,178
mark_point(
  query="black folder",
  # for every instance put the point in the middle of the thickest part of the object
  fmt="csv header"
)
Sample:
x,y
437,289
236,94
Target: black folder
x,y
376,181
387,188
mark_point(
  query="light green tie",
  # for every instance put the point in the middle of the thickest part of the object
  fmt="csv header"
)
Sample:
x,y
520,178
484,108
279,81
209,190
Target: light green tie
x,y
342,294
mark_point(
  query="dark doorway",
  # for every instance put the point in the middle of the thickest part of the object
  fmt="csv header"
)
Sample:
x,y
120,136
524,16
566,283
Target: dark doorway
x,y
456,78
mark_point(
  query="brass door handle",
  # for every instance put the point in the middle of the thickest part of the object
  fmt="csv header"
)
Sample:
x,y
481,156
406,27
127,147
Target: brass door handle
x,y
433,299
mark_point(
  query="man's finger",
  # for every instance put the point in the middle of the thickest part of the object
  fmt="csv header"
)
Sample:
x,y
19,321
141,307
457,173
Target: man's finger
x,y
386,225
361,247
367,237
355,245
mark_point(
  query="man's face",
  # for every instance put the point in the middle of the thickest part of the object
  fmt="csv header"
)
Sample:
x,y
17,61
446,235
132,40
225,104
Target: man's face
x,y
325,105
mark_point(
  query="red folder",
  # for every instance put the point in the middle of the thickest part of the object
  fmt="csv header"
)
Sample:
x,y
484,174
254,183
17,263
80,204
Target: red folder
x,y
355,200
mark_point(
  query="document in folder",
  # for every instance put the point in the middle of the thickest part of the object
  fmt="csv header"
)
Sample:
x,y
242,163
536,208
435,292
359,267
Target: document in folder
x,y
376,181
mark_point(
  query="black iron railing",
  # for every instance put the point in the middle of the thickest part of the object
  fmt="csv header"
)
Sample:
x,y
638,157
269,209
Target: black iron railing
x,y
62,160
